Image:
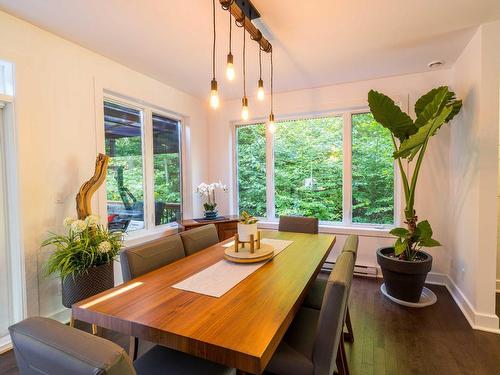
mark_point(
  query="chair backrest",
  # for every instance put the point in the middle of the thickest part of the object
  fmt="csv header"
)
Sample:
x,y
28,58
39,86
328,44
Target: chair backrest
x,y
199,238
351,245
298,224
140,259
332,314
44,346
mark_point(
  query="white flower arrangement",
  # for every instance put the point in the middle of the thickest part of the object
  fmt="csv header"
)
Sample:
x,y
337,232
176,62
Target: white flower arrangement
x,y
78,226
104,247
208,190
86,243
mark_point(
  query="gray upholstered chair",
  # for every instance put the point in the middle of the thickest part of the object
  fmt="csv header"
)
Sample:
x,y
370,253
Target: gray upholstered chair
x,y
315,295
315,336
199,238
298,224
143,258
44,346
146,257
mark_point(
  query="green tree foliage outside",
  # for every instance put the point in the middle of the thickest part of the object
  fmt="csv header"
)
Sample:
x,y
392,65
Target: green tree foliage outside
x,y
251,156
128,155
308,163
372,171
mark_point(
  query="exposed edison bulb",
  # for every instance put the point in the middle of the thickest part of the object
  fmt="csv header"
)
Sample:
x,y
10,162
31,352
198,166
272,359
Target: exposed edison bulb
x,y
230,74
260,90
271,126
244,109
214,95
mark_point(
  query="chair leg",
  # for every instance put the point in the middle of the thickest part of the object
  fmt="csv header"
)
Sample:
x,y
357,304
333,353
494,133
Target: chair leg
x,y
94,329
343,356
349,335
133,347
72,321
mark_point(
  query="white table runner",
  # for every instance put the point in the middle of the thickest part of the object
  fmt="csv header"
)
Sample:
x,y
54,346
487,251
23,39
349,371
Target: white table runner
x,y
224,275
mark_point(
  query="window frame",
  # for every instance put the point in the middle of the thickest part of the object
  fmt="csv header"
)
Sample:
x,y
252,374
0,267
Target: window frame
x,y
346,222
147,111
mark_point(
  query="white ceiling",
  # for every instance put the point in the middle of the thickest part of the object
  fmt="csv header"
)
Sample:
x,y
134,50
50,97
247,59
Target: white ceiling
x,y
316,43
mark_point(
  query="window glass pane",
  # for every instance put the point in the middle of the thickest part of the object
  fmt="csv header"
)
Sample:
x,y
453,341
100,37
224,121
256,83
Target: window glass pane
x,y
251,161
167,169
308,162
372,171
125,179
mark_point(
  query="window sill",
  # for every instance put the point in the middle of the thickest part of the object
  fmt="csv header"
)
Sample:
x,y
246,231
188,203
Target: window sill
x,y
149,235
364,231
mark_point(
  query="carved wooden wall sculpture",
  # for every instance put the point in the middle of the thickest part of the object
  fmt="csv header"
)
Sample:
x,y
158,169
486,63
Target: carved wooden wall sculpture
x,y
84,196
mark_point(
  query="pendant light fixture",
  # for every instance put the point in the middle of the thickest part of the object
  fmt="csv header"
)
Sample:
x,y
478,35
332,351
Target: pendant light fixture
x,y
214,94
244,100
230,74
260,89
271,126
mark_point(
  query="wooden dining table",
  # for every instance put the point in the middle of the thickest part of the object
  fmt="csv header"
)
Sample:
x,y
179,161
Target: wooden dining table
x,y
241,329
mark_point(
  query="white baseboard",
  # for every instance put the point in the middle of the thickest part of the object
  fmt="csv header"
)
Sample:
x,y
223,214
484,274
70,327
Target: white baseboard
x,y
5,344
63,316
477,320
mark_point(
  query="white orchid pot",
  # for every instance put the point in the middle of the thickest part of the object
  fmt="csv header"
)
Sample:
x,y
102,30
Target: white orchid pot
x,y
246,230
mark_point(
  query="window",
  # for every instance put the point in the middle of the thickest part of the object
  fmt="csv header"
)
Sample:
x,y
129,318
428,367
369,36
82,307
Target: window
x,y
338,168
308,165
145,161
251,156
372,171
167,169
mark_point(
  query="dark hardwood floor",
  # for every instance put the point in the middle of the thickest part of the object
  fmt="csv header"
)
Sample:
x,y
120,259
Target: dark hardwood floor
x,y
391,339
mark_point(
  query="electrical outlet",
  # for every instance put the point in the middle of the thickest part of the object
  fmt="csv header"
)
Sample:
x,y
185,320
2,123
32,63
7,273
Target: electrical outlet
x,y
59,198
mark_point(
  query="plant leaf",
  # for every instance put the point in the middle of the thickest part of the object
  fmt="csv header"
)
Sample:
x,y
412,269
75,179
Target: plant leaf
x,y
429,242
434,101
425,230
400,246
400,232
423,134
390,116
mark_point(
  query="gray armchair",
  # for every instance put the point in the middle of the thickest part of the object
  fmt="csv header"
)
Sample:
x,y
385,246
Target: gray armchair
x,y
314,298
298,224
199,238
315,336
44,346
146,257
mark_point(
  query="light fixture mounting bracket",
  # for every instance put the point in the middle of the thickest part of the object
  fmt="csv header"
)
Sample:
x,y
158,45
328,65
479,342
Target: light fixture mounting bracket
x,y
244,12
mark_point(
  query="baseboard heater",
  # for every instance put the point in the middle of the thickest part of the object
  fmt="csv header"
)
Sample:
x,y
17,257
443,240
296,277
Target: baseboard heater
x,y
359,270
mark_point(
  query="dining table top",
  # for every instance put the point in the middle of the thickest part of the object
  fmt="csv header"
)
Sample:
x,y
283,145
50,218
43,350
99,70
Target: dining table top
x,y
240,329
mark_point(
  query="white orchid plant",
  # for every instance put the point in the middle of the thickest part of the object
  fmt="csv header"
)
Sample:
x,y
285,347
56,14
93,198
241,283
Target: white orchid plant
x,y
86,244
208,191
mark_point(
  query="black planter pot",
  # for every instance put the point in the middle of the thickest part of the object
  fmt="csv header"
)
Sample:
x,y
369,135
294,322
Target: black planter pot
x,y
403,280
96,280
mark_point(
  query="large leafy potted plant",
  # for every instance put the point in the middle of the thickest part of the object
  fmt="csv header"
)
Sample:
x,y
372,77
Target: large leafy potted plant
x,y
405,265
83,258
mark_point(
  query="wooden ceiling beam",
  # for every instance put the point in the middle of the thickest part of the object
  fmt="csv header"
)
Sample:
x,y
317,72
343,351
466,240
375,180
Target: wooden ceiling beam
x,y
242,19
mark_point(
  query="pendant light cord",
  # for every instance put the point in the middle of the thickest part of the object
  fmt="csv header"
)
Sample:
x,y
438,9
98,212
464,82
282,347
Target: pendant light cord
x,y
272,79
230,30
260,62
213,47
244,63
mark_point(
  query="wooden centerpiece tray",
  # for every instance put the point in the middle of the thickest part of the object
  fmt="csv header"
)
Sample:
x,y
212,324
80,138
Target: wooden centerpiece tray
x,y
253,251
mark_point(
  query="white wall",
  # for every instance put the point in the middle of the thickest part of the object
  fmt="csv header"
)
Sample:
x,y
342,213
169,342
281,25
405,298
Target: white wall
x,y
432,198
474,175
55,105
